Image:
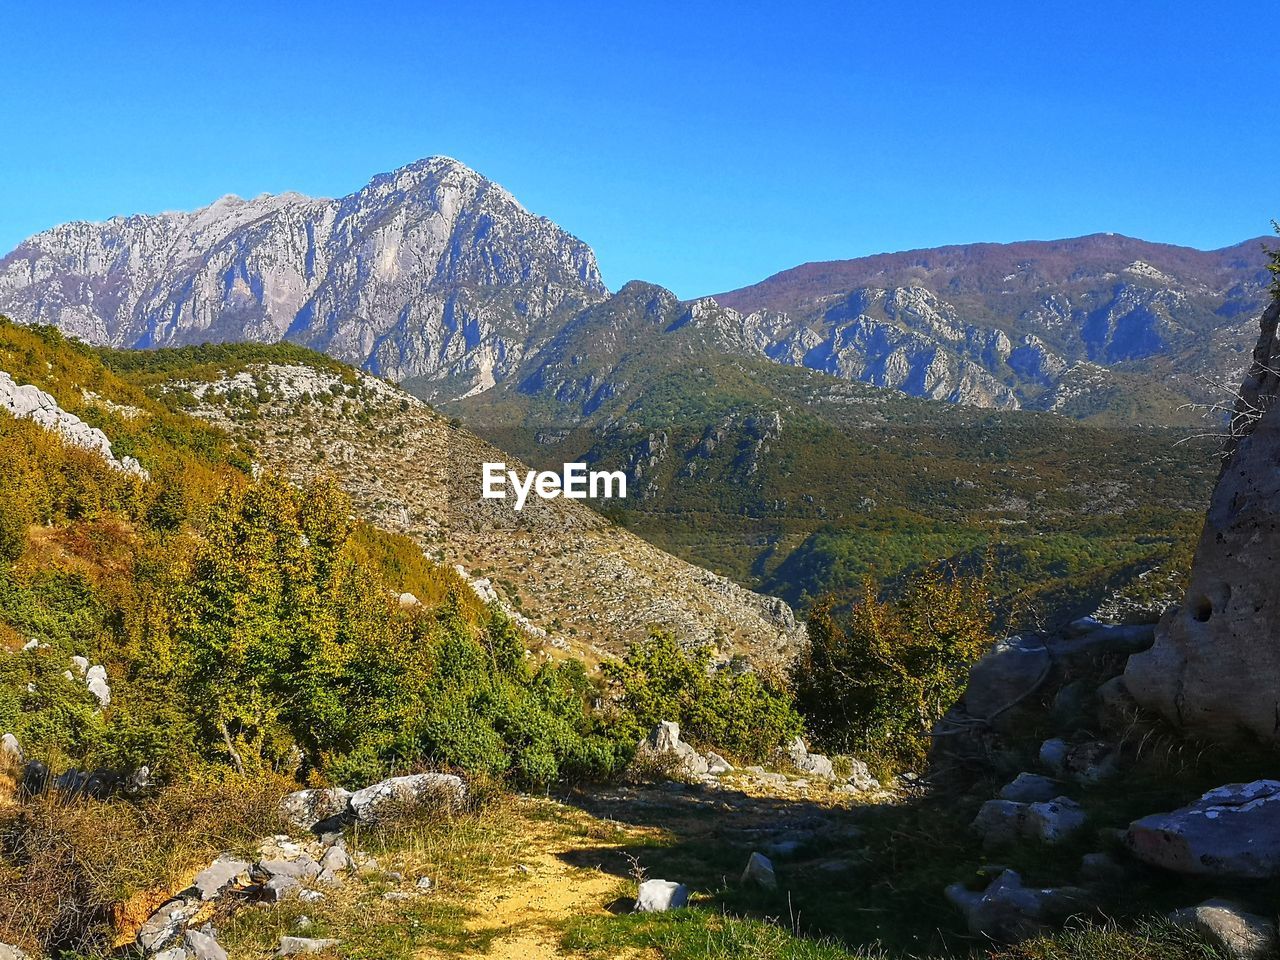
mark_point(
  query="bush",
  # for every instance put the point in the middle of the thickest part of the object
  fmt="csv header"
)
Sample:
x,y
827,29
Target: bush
x,y
739,713
877,685
72,868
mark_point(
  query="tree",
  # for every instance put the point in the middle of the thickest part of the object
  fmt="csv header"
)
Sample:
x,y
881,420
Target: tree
x,y
878,684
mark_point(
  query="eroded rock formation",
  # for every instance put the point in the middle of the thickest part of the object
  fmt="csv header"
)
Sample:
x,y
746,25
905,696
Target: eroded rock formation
x,y
1215,665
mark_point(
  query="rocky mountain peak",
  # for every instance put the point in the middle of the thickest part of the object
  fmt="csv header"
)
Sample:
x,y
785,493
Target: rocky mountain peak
x,y
429,273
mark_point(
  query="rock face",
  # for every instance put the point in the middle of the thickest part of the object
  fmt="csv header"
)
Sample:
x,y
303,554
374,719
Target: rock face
x,y
1215,665
1233,831
428,272
1033,325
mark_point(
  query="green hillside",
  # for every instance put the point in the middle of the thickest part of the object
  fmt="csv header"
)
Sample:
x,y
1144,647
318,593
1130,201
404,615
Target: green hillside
x,y
800,484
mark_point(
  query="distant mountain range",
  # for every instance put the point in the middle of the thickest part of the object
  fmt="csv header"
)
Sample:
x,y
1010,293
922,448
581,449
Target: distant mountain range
x,y
753,425
437,278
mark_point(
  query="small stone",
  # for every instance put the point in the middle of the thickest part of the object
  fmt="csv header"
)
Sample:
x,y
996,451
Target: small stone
x,y
280,888
718,765
1241,935
759,871
204,946
213,879
336,860
1053,755
658,896
292,946
424,883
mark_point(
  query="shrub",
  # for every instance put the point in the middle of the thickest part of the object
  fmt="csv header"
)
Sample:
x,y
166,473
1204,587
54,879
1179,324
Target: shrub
x,y
740,713
72,867
876,685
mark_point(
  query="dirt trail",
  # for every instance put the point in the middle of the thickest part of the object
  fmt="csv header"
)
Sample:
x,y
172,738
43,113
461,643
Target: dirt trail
x,y
529,912
521,918
574,867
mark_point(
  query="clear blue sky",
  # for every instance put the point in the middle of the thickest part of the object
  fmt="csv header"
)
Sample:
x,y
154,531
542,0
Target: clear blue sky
x,y
701,146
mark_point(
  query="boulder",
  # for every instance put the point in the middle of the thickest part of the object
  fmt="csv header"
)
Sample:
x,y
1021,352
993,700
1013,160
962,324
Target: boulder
x,y
213,879
101,691
1236,932
372,802
718,765
204,946
656,896
1053,755
1102,639
663,745
1007,911
759,872
305,808
1232,831
1030,788
1007,674
292,946
814,764
8,952
1215,666
9,747
280,888
1001,822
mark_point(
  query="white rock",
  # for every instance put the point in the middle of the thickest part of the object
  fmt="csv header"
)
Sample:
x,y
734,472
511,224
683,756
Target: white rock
x,y
657,896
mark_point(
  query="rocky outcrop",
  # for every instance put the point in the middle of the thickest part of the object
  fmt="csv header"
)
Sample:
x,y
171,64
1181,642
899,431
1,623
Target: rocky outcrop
x,y
1215,665
664,747
29,402
322,807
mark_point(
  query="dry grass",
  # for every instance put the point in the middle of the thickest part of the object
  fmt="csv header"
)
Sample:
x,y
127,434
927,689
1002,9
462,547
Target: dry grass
x,y
72,871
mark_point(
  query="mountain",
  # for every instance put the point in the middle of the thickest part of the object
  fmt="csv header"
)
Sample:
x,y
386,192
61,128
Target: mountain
x,y
430,274
434,277
1085,327
797,482
574,580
